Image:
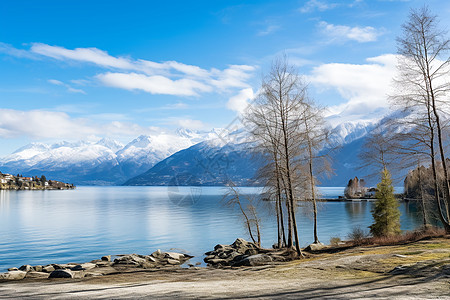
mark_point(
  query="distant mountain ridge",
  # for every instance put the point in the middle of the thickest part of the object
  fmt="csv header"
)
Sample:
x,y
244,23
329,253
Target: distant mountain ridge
x,y
216,161
181,158
105,162
212,162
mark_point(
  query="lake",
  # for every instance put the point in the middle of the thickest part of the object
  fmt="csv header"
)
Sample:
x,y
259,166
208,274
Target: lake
x,y
61,226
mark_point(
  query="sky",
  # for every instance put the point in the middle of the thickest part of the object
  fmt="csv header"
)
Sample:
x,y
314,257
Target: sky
x,y
84,70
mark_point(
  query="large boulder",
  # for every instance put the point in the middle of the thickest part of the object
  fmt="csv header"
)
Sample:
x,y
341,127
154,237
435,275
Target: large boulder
x,y
132,259
254,260
48,269
38,268
26,268
174,255
13,275
315,247
61,273
226,255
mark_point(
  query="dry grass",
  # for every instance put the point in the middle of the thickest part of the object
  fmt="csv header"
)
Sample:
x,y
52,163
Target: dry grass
x,y
406,237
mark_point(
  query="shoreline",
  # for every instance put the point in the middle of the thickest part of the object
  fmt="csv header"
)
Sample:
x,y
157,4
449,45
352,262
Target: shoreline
x,y
356,272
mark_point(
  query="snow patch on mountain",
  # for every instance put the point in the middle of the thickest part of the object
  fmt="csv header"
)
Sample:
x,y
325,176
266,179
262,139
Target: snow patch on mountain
x,y
350,131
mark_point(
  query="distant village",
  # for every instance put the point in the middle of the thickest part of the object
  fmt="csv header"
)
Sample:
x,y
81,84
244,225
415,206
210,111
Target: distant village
x,y
19,182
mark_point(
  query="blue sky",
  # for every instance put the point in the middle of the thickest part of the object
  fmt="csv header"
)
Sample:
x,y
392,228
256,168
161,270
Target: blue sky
x,y
83,70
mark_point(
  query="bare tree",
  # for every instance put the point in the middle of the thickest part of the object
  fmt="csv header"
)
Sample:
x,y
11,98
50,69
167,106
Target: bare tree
x,y
251,220
275,122
268,136
423,87
315,139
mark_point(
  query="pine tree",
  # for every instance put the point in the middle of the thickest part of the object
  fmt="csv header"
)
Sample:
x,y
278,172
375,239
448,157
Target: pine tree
x,y
386,214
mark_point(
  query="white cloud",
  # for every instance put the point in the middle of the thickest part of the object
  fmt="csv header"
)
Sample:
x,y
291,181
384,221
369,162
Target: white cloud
x,y
313,5
365,86
21,53
231,77
341,32
269,30
67,86
92,55
153,84
170,77
55,82
39,124
240,101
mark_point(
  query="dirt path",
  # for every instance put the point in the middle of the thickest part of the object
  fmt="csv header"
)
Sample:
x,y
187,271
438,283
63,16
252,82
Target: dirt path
x,y
423,271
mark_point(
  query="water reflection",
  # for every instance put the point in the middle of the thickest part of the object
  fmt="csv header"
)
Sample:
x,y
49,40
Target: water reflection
x,y
353,209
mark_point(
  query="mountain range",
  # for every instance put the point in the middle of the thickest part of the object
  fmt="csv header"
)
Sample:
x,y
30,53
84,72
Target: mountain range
x,y
105,162
181,158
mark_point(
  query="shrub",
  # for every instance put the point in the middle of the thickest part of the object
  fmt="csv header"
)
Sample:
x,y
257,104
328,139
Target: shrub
x,y
358,235
334,241
409,236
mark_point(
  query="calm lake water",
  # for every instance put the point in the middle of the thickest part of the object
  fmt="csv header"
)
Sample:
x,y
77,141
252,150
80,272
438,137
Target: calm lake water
x,y
41,227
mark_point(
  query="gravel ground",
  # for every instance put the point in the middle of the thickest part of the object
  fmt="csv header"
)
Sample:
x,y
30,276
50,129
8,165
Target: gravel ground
x,y
418,270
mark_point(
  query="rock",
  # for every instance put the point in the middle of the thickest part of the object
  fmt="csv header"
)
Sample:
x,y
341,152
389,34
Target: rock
x,y
77,268
78,274
209,257
13,275
102,264
13,269
315,247
241,245
198,263
218,261
38,268
173,255
61,273
157,253
88,266
26,268
37,275
48,269
222,247
60,266
148,265
106,258
239,257
254,260
151,258
132,259
171,261
251,252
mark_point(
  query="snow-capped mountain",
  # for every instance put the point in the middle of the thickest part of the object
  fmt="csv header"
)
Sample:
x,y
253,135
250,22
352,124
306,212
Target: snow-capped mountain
x,y
350,131
165,156
103,162
212,162
215,161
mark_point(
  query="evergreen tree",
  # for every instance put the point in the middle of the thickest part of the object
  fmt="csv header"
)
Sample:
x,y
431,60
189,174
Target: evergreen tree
x,y
386,214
